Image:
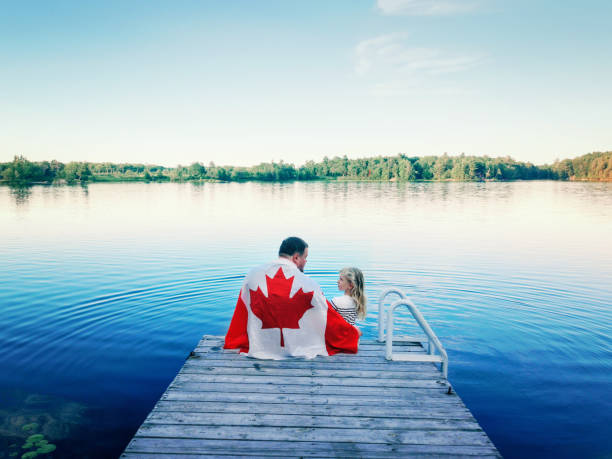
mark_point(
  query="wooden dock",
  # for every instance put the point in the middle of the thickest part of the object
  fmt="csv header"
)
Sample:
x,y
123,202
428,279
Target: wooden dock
x,y
222,404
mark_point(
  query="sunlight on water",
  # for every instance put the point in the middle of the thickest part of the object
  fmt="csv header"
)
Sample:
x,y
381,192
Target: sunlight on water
x,y
105,290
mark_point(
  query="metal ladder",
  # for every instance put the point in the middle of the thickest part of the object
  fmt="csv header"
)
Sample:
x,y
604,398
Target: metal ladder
x,y
433,343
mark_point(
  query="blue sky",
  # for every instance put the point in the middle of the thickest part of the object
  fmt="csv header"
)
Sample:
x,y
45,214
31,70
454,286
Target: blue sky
x,y
241,82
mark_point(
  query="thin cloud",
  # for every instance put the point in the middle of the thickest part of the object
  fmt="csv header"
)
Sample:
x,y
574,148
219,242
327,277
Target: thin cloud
x,y
424,7
389,55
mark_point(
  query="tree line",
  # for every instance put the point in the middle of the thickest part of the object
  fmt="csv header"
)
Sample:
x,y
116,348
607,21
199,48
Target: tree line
x,y
592,166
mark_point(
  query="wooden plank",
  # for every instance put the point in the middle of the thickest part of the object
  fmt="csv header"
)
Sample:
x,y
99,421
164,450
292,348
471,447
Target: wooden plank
x,y
340,358
247,362
309,449
294,454
300,420
380,383
191,367
314,388
368,350
416,358
317,399
363,351
228,453
403,436
397,411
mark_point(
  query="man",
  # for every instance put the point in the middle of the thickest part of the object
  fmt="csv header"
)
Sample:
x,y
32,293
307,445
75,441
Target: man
x,y
283,313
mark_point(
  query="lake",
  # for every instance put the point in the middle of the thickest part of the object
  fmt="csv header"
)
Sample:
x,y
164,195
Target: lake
x,y
105,289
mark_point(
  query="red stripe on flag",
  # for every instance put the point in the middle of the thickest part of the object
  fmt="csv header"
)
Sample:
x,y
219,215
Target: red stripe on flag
x,y
340,336
236,336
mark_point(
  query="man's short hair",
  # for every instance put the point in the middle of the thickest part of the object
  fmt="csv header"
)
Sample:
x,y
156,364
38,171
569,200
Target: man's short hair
x,y
292,245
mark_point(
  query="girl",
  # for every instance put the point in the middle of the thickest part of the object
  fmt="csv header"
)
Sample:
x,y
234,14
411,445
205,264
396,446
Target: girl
x,y
352,304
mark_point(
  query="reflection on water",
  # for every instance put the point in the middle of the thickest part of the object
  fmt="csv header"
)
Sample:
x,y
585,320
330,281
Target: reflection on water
x,y
105,290
21,194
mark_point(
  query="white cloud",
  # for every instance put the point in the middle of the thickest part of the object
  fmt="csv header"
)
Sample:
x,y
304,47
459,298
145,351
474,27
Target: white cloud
x,y
424,7
389,56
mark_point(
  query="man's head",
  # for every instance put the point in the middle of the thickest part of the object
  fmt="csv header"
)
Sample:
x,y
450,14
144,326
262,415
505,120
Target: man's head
x,y
296,250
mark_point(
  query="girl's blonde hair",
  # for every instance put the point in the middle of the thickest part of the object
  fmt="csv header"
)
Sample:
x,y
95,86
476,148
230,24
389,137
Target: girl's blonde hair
x,y
355,277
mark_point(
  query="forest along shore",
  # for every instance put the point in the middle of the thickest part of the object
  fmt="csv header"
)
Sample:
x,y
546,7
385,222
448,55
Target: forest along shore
x,y
595,166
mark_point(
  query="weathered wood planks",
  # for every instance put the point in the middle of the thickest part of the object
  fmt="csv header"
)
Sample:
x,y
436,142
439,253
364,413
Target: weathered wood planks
x,y
222,404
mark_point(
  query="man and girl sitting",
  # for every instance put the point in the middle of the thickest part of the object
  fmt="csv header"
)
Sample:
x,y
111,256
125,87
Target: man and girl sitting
x,y
281,312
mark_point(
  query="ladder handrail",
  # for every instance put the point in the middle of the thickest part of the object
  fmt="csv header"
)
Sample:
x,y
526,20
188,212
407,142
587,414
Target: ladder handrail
x,y
424,326
381,306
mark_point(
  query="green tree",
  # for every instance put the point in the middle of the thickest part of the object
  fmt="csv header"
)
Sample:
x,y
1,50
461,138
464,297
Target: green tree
x,y
442,167
76,172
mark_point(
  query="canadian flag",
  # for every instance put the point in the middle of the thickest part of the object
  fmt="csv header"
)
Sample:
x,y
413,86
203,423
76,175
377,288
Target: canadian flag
x,y
283,313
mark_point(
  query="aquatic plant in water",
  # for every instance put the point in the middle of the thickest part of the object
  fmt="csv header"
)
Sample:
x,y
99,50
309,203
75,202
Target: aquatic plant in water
x,y
47,448
37,441
35,438
31,421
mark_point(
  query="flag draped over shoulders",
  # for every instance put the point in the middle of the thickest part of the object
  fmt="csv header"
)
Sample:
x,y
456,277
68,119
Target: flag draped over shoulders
x,y
283,313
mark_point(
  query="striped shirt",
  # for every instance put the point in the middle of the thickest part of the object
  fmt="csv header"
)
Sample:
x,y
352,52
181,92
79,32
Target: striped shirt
x,y
346,307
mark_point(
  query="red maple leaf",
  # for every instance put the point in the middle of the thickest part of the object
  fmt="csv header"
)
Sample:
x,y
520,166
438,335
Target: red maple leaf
x,y
278,310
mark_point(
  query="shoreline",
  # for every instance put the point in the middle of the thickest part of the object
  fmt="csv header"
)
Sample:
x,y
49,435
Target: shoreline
x,y
337,179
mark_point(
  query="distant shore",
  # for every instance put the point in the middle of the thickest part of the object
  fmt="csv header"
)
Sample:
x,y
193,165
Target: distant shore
x,y
592,167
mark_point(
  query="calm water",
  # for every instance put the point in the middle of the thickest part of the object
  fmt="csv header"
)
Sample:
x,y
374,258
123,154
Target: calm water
x,y
105,290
